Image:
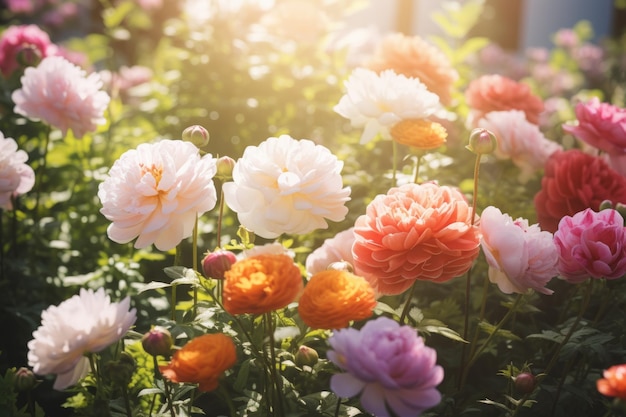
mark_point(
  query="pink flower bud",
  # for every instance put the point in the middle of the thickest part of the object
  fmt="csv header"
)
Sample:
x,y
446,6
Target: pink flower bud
x,y
482,141
24,380
306,356
215,264
158,341
225,166
197,135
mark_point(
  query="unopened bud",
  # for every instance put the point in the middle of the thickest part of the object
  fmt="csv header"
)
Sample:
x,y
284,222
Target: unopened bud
x,y
306,356
28,56
24,380
225,166
482,142
621,209
158,341
341,266
216,263
606,204
525,382
197,135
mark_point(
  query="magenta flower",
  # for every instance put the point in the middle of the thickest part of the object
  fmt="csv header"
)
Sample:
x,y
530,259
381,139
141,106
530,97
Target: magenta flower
x,y
591,244
388,365
24,45
520,257
601,125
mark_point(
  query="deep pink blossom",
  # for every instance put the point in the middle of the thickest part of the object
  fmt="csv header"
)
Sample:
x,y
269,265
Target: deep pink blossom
x,y
601,125
388,365
591,244
24,45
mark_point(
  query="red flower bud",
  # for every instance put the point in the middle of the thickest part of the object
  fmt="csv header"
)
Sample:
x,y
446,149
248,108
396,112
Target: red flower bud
x,y
158,341
215,264
525,382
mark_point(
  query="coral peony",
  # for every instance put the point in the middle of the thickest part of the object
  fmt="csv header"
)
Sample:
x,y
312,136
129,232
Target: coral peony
x,y
415,232
614,382
421,134
335,249
497,93
520,141
155,192
591,244
261,284
59,93
286,185
600,125
202,361
388,365
520,257
16,177
87,322
376,102
416,58
572,182
22,46
332,299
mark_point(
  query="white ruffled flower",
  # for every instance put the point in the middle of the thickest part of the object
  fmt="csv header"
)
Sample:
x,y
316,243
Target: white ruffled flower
x,y
376,102
16,177
520,257
154,193
87,322
286,185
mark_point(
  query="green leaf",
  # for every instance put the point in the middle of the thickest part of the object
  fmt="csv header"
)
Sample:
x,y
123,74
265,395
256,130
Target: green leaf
x,y
151,286
490,329
112,17
445,332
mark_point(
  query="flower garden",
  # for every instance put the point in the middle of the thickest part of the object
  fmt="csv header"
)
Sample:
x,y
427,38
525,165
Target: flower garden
x,y
228,209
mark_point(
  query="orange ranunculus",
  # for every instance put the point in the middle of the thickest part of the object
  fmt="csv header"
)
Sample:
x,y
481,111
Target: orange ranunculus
x,y
422,134
202,361
614,382
414,57
333,298
260,284
498,93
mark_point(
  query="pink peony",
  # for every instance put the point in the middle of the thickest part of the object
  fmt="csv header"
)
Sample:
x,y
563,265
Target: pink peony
x,y
24,45
600,125
591,244
59,93
572,182
415,232
16,177
519,140
520,257
154,193
388,365
496,93
335,249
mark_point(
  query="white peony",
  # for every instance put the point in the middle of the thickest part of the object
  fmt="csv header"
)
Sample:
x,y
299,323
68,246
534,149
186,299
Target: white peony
x,y
87,322
376,102
520,257
286,185
16,177
155,192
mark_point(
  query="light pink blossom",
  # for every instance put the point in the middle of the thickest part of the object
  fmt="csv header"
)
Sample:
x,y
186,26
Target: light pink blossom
x,y
154,193
520,257
519,140
16,177
62,95
591,245
601,125
22,46
335,249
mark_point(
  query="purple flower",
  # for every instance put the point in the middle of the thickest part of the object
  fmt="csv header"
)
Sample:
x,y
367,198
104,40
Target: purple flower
x,y
388,365
591,244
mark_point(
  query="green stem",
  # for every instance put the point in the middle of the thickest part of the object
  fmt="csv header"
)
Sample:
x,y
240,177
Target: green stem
x,y
220,217
407,304
129,411
278,400
40,175
394,147
194,255
418,164
337,407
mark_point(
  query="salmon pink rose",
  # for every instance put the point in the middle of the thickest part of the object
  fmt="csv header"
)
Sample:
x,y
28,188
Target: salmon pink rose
x,y
415,232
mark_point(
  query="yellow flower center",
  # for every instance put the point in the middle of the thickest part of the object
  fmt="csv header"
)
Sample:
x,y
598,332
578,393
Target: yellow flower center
x,y
155,171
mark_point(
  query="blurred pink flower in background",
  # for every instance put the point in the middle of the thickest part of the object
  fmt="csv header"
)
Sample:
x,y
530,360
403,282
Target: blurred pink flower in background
x,y
150,4
415,232
388,366
286,185
494,92
335,249
59,14
61,94
300,21
601,125
572,182
376,102
21,6
86,322
154,193
520,141
16,177
22,46
520,257
591,245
